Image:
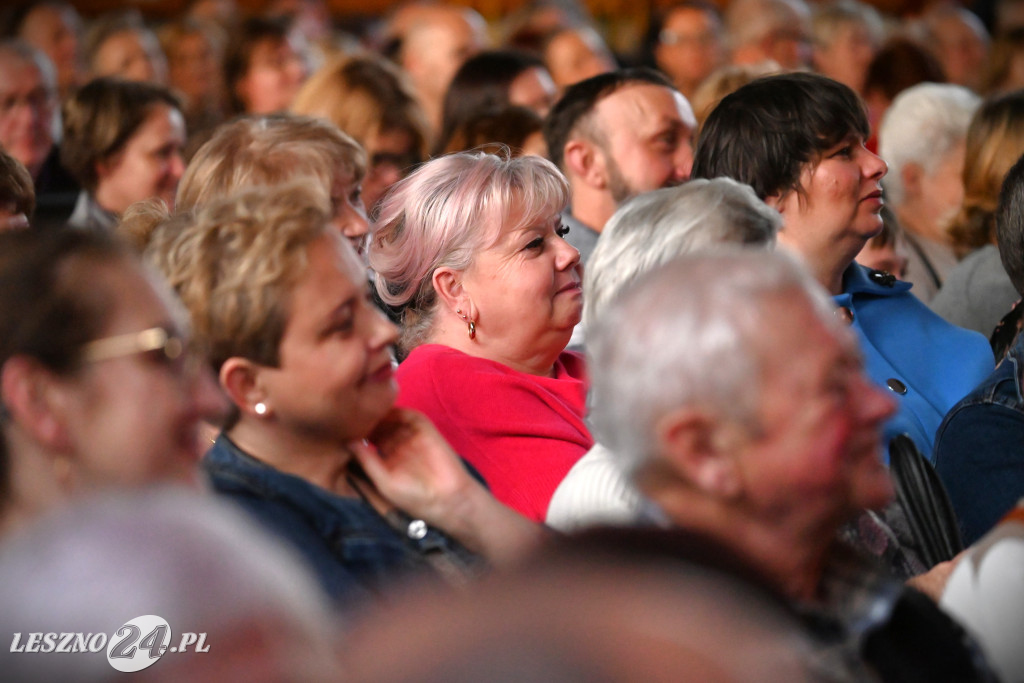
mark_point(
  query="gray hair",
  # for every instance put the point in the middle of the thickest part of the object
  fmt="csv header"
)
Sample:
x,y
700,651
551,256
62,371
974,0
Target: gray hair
x,y
828,18
748,21
655,227
198,563
18,49
687,334
921,126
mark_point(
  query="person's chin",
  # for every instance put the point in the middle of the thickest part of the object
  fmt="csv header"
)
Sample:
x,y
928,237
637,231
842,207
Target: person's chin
x,y
874,487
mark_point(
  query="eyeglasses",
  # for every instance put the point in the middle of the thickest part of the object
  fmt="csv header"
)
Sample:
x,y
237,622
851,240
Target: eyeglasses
x,y
172,349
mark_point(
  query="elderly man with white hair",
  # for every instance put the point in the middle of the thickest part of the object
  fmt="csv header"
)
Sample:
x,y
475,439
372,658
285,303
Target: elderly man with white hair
x,y
922,138
739,403
645,232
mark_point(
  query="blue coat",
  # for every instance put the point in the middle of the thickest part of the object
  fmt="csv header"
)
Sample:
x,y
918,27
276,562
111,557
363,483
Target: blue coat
x,y
926,363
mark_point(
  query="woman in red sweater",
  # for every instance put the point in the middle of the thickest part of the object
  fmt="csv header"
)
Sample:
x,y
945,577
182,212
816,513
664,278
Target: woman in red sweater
x,y
470,248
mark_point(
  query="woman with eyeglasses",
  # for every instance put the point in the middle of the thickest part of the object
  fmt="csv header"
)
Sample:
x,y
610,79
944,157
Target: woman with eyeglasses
x,y
98,386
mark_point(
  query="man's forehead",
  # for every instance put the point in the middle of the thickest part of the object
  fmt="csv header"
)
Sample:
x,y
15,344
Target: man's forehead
x,y
645,104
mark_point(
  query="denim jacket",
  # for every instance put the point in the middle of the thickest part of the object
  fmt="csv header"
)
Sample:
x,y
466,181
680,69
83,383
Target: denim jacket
x,y
979,449
354,552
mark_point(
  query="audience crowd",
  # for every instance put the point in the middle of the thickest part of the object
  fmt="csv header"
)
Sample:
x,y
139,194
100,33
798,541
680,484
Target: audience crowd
x,y
429,347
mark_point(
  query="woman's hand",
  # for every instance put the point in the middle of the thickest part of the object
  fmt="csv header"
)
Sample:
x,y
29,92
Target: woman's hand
x,y
412,466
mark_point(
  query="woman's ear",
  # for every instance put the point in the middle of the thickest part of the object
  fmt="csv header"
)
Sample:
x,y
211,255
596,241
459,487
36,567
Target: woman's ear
x,y
30,394
450,290
240,379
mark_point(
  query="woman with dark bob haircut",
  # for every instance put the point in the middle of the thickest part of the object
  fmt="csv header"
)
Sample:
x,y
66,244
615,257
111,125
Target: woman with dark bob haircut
x,y
492,79
123,143
798,140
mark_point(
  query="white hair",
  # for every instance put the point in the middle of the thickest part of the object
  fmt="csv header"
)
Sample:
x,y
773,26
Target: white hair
x,y
921,126
687,334
655,227
186,557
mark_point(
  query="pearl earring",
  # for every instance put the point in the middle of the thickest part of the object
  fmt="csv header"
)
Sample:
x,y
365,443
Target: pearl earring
x,y
260,408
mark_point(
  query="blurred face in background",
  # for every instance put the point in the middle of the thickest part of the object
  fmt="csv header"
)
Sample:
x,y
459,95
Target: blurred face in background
x,y
56,31
193,67
148,166
690,46
277,69
28,107
132,55
577,54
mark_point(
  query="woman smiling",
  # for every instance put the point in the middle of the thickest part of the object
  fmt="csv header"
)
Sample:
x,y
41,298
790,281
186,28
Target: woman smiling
x,y
280,299
471,247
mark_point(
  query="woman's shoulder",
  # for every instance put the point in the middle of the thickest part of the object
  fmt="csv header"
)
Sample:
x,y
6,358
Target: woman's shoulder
x,y
437,360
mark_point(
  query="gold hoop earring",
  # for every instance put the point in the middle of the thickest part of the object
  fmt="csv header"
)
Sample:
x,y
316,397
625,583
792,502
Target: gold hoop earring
x,y
472,329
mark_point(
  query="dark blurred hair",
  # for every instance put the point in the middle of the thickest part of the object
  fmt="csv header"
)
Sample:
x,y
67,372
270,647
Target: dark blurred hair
x,y
766,132
16,185
1010,225
899,64
493,129
579,99
482,82
238,55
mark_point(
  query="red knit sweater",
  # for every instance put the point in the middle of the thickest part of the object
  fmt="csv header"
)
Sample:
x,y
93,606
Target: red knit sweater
x,y
522,432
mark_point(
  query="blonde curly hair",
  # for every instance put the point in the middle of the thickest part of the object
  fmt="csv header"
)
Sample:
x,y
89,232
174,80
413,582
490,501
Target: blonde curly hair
x,y
235,263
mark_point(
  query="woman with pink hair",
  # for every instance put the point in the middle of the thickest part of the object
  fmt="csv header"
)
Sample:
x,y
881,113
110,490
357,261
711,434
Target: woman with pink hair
x,y
470,247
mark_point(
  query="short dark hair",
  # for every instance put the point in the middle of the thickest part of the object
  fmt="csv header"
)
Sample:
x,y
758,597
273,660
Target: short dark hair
x,y
1010,224
579,99
101,117
764,133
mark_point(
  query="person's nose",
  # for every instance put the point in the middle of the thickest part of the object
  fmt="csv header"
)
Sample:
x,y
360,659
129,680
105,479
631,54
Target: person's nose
x,y
876,404
873,166
208,400
351,222
683,161
566,255
177,166
383,331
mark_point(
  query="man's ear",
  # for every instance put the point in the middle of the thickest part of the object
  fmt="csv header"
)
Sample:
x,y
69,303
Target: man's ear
x,y
240,379
30,394
692,443
911,175
585,161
